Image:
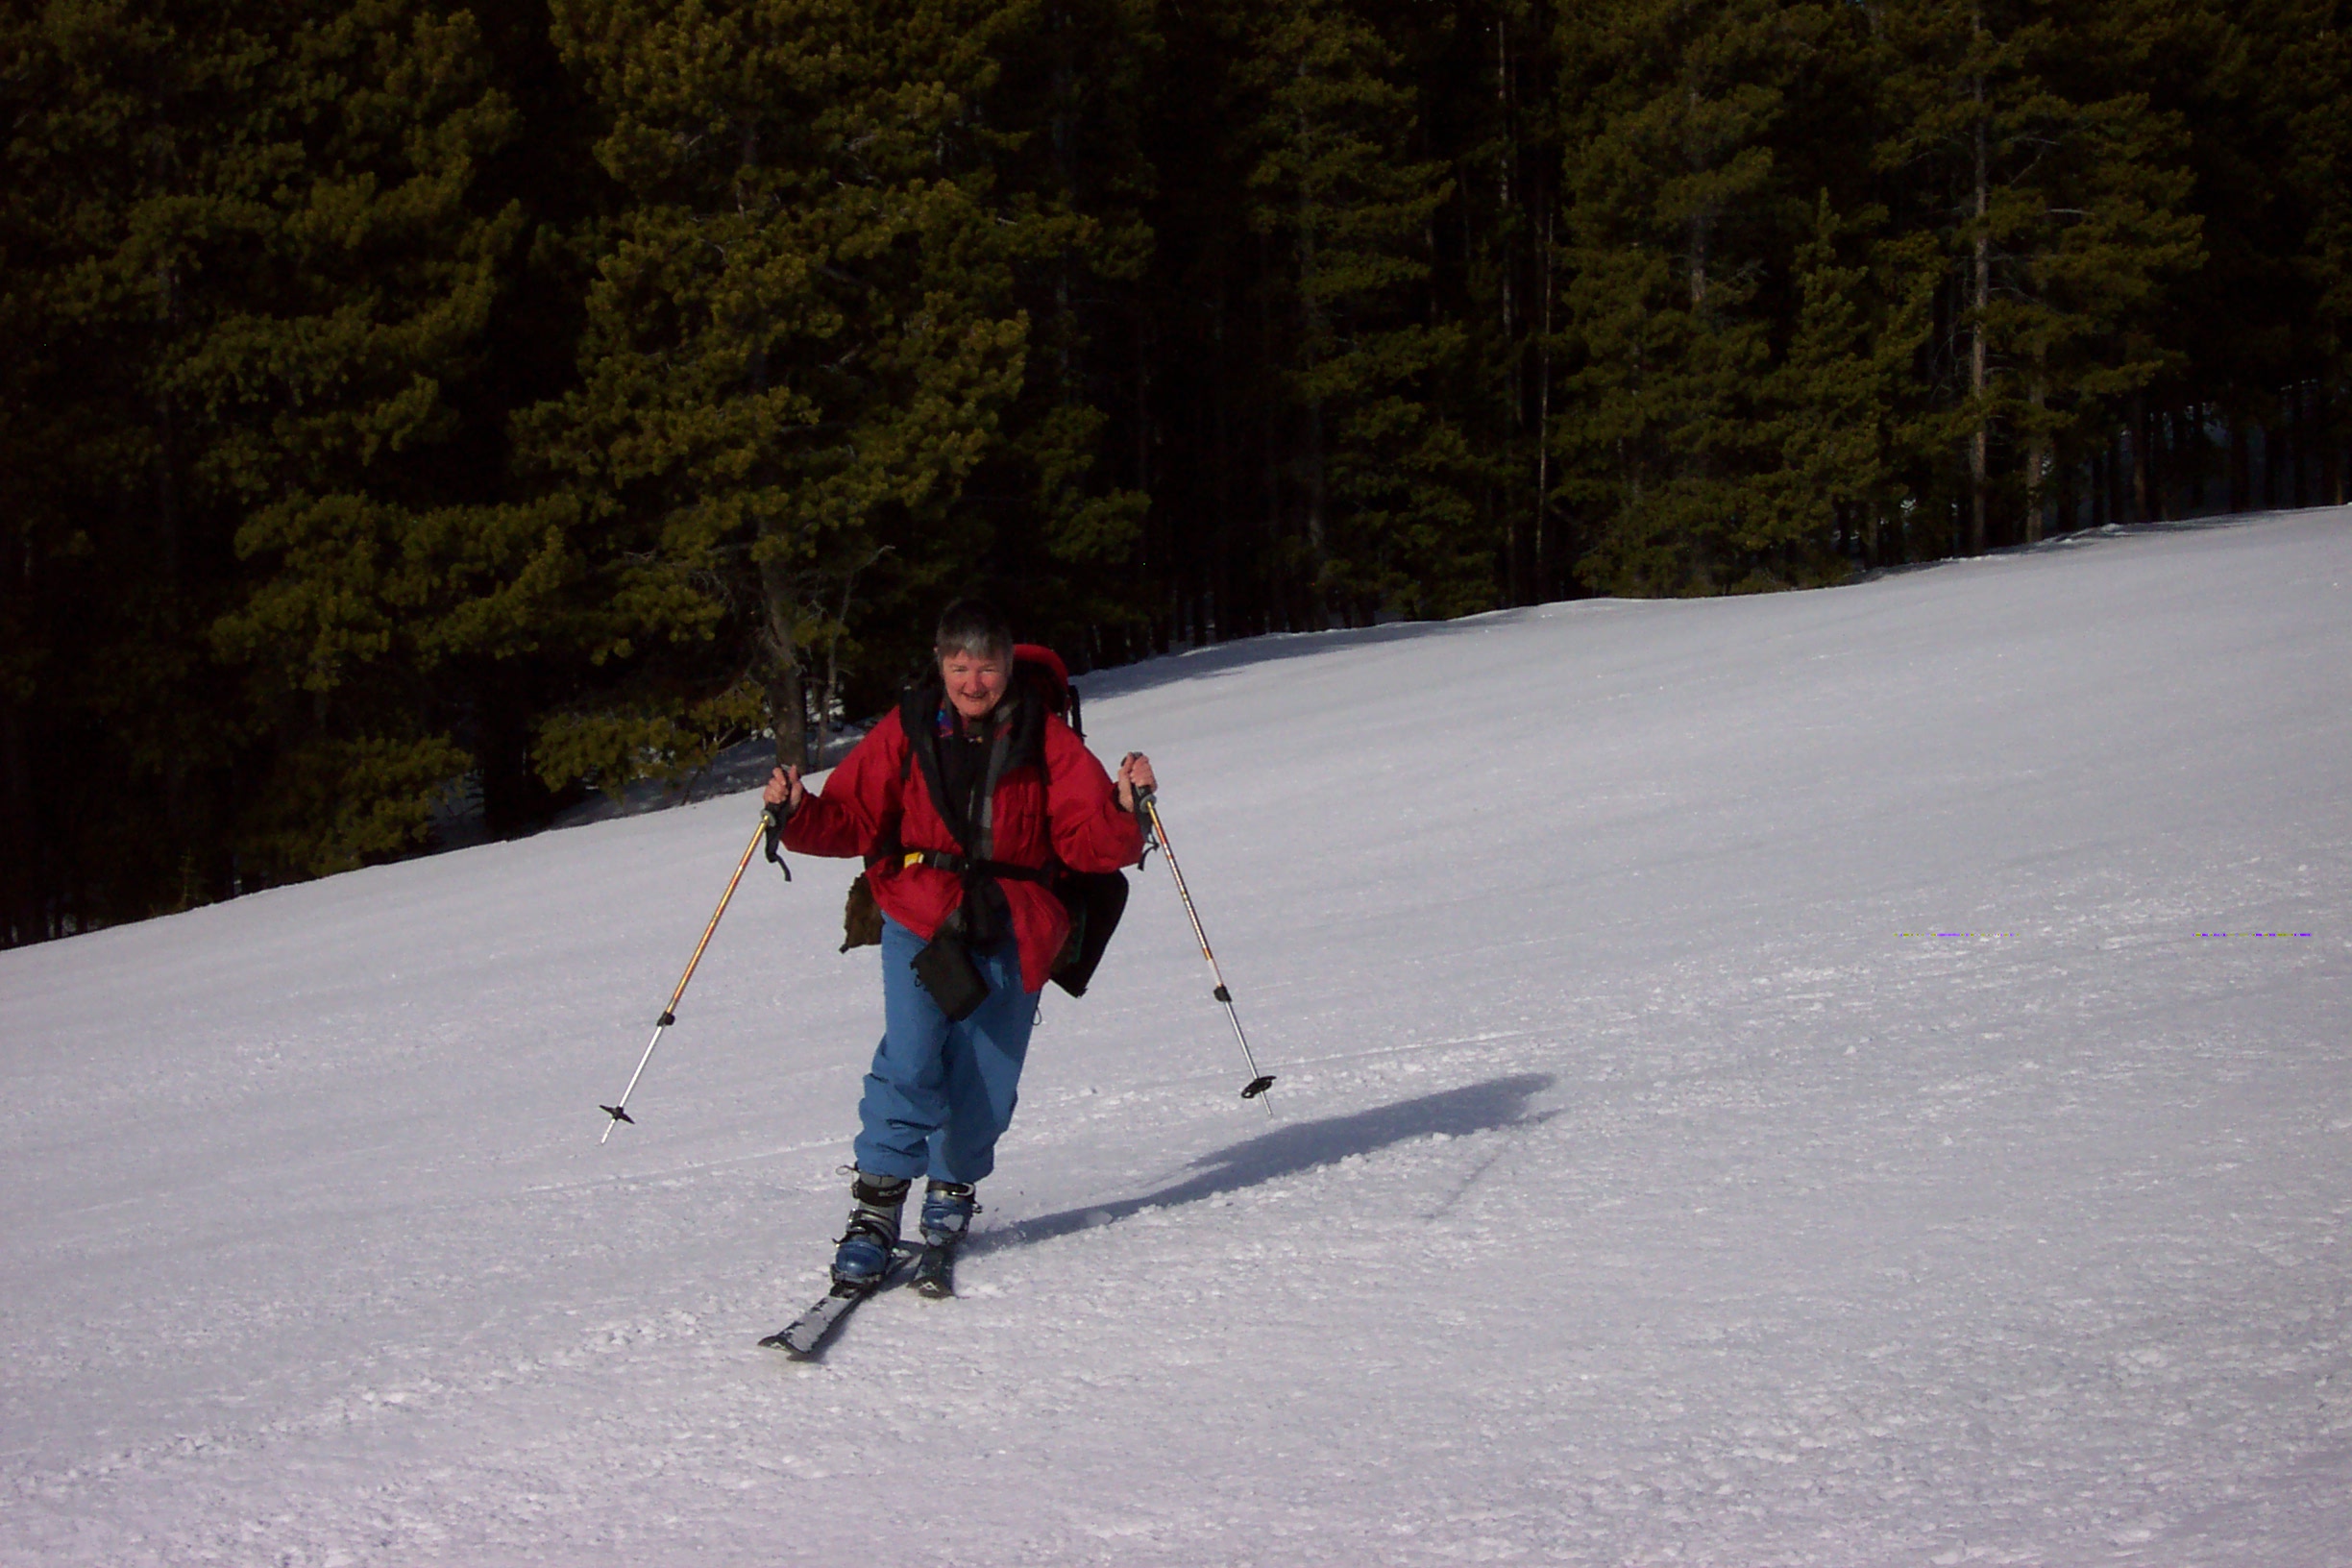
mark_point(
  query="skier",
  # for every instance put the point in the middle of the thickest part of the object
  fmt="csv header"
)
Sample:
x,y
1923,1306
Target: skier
x,y
961,799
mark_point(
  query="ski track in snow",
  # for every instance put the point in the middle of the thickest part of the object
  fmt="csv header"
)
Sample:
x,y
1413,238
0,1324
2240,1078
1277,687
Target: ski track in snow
x,y
1762,1082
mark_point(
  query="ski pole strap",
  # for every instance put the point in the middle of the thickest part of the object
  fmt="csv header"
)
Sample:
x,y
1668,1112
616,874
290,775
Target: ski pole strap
x,y
1150,818
776,815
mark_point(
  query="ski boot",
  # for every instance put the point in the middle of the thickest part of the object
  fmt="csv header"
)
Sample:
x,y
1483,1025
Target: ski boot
x,y
871,1237
948,1209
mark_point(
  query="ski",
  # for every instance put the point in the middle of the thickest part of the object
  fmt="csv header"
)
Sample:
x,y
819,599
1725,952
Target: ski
x,y
806,1335
935,1272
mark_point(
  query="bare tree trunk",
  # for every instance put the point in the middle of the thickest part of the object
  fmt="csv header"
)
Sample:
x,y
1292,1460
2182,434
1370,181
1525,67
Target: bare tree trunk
x,y
1508,144
831,701
2037,453
170,544
1980,296
1318,546
1220,568
166,474
19,878
2240,463
2164,465
1275,599
1156,529
2300,425
1544,564
1518,549
2142,426
784,683
2275,465
2332,466
1702,222
784,686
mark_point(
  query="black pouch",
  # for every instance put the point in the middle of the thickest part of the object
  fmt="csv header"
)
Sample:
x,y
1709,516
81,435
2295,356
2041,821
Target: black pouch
x,y
951,977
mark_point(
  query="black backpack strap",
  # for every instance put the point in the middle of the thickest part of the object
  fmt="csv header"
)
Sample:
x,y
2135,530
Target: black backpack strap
x,y
948,860
1013,743
919,717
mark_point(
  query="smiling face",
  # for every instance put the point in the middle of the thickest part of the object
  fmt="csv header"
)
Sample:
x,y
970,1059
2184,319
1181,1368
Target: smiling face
x,y
976,681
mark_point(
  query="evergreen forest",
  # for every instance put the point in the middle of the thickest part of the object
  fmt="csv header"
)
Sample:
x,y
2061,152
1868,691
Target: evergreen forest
x,y
414,400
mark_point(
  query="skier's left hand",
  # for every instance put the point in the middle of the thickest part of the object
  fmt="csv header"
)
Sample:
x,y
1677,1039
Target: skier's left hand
x,y
1134,773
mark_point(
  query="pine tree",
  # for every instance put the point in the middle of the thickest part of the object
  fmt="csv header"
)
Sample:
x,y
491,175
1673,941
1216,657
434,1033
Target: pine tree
x,y
39,438
114,571
1501,81
2311,45
1846,407
1380,469
800,340
257,269
1676,222
1064,497
336,386
2063,192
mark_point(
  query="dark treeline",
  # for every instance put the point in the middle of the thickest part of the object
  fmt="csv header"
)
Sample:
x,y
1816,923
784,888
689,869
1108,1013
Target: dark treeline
x,y
406,399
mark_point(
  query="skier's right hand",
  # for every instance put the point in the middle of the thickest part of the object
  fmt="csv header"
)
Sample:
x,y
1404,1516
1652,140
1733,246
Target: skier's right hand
x,y
1136,779
784,786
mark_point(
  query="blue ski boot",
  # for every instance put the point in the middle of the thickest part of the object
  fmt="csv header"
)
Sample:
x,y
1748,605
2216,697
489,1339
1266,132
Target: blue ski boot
x,y
946,1212
871,1236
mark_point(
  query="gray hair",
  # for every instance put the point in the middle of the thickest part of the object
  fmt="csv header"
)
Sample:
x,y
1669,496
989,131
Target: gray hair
x,y
972,625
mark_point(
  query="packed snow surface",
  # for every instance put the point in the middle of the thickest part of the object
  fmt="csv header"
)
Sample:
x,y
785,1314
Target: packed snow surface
x,y
1855,1077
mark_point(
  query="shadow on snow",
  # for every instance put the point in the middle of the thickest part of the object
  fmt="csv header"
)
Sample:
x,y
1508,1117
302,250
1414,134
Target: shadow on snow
x,y
1488,1107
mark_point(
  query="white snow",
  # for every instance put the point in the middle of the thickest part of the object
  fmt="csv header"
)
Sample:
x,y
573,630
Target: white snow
x,y
1855,1077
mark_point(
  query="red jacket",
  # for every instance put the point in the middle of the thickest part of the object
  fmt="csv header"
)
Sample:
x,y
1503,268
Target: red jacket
x,y
1065,811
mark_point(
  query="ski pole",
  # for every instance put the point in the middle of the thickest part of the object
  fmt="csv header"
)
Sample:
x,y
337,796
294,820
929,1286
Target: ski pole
x,y
1260,1082
770,825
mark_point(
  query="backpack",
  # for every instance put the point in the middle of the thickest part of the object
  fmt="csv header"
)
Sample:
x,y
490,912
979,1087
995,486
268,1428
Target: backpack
x,y
1093,899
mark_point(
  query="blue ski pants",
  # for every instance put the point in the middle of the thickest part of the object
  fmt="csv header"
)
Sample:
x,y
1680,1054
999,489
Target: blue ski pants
x,y
941,1093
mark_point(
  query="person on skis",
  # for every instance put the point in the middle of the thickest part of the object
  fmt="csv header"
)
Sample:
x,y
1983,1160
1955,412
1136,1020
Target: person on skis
x,y
962,800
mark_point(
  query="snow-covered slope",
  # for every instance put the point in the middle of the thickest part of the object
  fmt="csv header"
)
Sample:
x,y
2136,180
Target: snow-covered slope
x,y
1855,1077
